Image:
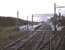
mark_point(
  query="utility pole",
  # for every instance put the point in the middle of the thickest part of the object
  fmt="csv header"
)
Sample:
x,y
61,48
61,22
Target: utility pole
x,y
55,16
32,21
27,22
54,8
17,24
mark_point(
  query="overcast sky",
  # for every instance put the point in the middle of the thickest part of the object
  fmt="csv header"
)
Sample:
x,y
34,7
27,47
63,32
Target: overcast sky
x,y
28,7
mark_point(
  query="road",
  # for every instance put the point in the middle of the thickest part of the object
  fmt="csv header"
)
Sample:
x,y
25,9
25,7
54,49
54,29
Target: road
x,y
40,40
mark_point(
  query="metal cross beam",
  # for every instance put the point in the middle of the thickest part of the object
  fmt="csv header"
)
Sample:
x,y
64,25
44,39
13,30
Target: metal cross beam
x,y
60,7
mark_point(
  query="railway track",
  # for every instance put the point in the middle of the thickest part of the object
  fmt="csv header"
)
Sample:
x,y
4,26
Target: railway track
x,y
39,40
18,43
45,41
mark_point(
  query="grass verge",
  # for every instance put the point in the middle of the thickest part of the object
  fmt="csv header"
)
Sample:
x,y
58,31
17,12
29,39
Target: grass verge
x,y
9,34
